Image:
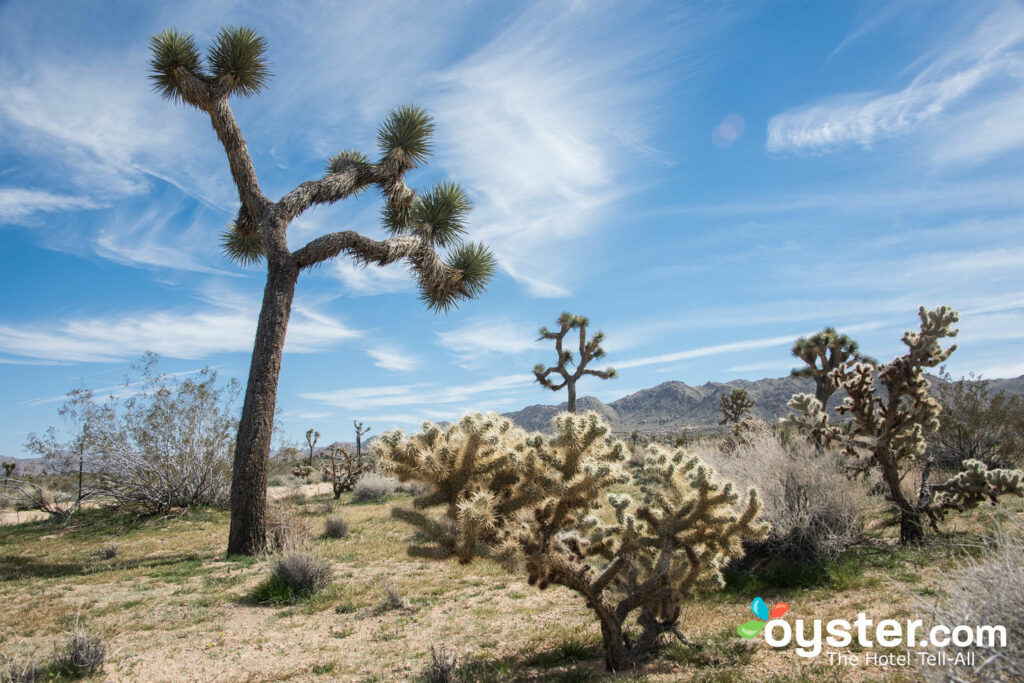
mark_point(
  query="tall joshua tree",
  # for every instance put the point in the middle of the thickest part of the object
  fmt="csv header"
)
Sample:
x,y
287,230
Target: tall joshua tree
x,y
824,352
588,350
419,226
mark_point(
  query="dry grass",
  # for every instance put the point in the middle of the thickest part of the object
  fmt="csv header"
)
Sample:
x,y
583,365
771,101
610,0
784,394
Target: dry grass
x,y
172,607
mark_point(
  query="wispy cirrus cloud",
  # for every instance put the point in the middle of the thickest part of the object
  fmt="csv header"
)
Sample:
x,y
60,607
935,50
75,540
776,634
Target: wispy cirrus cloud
x,y
486,337
228,326
392,358
700,352
17,204
415,394
990,56
541,124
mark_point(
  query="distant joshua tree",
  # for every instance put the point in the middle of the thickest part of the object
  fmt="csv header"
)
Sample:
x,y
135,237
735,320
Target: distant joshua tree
x,y
588,351
420,226
824,352
311,438
360,431
735,406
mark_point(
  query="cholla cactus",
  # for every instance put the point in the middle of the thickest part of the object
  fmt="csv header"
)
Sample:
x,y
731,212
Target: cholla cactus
x,y
969,488
809,417
302,470
345,471
588,351
824,352
532,503
889,434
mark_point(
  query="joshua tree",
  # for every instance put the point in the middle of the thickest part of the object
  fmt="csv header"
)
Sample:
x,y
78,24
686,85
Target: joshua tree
x,y
344,475
419,225
735,406
526,502
9,468
311,438
887,434
359,437
588,350
823,353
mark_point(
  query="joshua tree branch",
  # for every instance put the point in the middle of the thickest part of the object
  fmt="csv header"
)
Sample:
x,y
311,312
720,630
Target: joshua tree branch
x,y
242,169
346,178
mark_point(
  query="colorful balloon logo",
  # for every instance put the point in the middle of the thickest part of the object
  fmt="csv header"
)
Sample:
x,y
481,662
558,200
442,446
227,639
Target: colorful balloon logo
x,y
760,609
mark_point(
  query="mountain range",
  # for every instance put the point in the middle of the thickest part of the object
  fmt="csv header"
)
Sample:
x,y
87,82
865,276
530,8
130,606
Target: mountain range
x,y
675,406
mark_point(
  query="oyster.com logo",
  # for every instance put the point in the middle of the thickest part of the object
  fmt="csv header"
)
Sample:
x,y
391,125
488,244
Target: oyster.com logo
x,y
759,607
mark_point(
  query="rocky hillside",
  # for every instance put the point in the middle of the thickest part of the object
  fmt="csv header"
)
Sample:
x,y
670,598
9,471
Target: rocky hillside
x,y
674,406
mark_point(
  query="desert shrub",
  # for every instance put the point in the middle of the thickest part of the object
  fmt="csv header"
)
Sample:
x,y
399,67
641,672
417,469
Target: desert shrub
x,y
286,530
413,488
282,480
81,654
109,551
30,494
443,667
391,598
814,509
336,526
164,442
374,487
987,590
294,575
533,504
977,424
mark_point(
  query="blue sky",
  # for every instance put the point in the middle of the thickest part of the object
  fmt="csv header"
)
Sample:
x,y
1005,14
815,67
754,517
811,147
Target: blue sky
x,y
705,181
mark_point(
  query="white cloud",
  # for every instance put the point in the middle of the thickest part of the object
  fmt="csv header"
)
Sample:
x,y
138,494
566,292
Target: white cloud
x,y
541,124
483,338
17,204
717,349
413,394
371,280
391,358
225,328
987,56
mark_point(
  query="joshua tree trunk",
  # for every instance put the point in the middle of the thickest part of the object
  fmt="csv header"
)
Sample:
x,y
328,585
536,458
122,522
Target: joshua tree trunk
x,y
256,427
571,386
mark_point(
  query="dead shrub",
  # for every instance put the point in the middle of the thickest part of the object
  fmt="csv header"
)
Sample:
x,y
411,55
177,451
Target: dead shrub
x,y
814,509
336,526
374,487
286,530
443,666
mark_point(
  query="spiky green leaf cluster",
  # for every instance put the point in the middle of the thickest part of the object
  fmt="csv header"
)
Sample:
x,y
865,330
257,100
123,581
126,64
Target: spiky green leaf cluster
x,y
469,267
244,248
238,59
172,50
404,136
341,160
438,215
